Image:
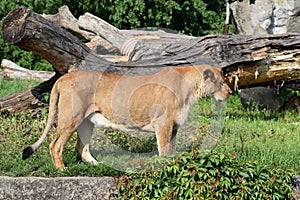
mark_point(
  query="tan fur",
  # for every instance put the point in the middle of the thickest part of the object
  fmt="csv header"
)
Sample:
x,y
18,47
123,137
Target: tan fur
x,y
157,103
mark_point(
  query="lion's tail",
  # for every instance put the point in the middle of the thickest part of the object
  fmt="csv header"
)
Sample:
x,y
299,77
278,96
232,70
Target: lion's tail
x,y
28,151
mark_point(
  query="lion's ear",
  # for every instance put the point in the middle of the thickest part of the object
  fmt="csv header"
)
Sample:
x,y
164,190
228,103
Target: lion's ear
x,y
219,68
208,74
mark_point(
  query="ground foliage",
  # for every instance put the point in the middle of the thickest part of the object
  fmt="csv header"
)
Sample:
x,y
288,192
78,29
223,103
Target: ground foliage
x,y
196,175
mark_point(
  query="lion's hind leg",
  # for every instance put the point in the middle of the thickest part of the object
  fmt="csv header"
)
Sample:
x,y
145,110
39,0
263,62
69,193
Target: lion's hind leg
x,y
85,131
62,135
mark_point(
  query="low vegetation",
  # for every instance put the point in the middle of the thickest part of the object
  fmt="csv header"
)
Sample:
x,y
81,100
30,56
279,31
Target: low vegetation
x,y
209,176
9,86
255,156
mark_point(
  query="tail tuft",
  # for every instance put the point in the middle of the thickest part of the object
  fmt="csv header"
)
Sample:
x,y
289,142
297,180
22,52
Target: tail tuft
x,y
27,152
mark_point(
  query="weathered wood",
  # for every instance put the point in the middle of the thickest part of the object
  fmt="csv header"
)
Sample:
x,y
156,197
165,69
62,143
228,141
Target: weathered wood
x,y
64,18
246,60
65,52
102,28
104,34
125,40
30,31
249,54
14,71
118,37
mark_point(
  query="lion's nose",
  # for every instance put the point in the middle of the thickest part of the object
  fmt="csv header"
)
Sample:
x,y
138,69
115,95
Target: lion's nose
x,y
221,96
228,89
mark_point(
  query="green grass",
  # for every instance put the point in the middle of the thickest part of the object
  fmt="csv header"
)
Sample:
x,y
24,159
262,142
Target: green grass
x,y
9,86
268,137
263,136
21,130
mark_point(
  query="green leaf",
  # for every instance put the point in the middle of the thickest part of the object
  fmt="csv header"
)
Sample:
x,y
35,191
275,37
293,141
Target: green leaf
x,y
244,174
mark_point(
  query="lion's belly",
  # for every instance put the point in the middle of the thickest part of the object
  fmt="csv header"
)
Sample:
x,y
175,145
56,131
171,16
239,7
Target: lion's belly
x,y
101,121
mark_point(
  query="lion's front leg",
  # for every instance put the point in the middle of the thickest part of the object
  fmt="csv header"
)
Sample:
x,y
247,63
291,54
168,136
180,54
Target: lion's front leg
x,y
85,131
166,140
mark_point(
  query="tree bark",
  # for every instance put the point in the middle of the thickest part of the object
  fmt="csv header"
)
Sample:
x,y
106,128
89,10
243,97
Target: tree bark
x,y
64,18
30,31
246,61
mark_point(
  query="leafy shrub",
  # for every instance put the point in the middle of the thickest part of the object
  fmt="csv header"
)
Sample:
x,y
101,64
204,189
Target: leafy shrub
x,y
197,17
208,176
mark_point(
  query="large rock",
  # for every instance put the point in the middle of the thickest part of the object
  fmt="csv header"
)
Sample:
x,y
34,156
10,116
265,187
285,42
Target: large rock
x,y
262,97
295,183
57,188
266,16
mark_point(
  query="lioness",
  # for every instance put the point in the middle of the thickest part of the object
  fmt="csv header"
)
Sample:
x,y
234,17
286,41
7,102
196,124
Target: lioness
x,y
157,103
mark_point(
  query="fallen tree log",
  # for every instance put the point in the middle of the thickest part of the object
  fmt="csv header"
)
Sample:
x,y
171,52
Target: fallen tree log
x,y
91,27
245,60
14,71
30,31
